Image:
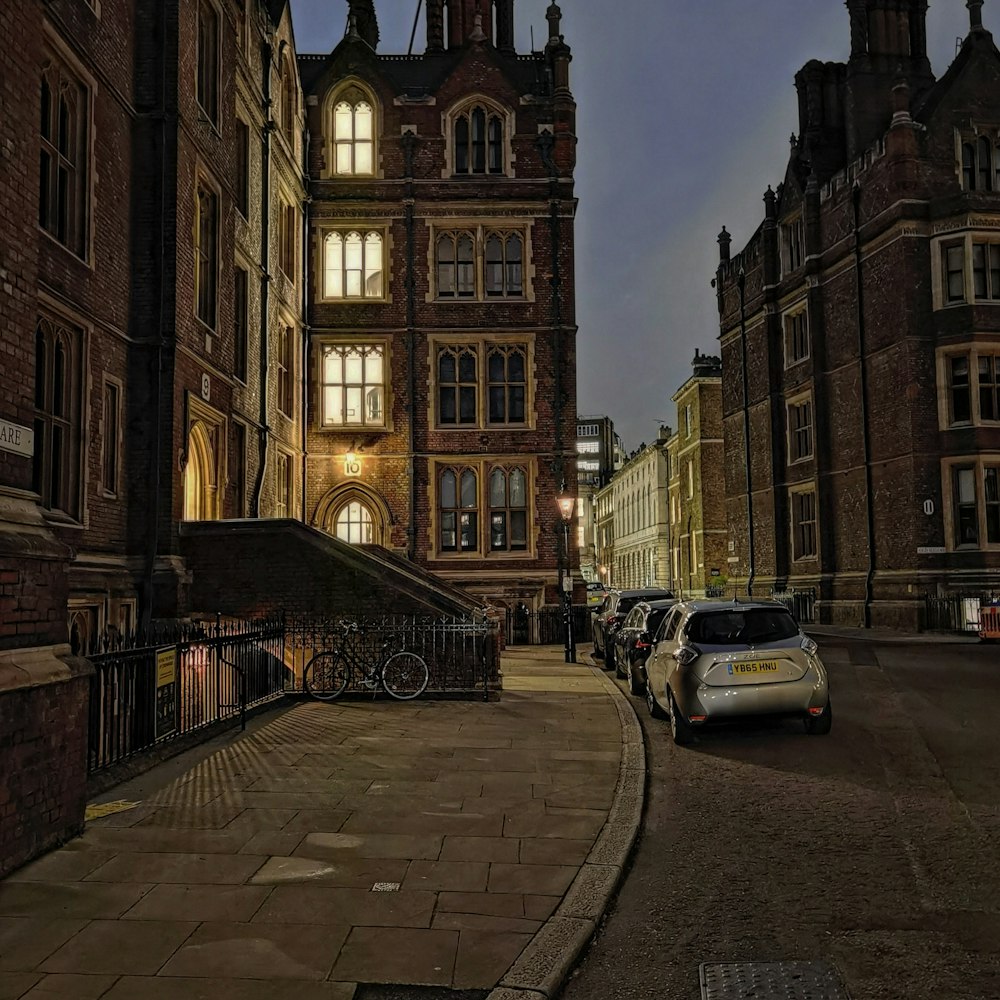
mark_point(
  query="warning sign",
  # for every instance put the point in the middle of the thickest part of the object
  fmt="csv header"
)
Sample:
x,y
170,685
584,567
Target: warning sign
x,y
166,691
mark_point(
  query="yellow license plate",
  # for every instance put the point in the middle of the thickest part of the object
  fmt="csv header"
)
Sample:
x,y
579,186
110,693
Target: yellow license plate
x,y
754,667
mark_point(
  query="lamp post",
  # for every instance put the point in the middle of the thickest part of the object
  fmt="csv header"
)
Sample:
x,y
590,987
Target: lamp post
x,y
566,505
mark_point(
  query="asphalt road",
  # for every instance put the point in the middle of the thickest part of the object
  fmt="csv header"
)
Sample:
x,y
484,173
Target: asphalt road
x,y
876,848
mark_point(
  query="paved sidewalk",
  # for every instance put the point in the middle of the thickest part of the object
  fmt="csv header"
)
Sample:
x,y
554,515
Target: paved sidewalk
x,y
446,844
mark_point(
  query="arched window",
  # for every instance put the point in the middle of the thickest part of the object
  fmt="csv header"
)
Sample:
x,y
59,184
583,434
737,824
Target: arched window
x,y
353,385
508,510
352,266
354,524
479,141
353,138
456,266
458,510
506,384
458,382
504,255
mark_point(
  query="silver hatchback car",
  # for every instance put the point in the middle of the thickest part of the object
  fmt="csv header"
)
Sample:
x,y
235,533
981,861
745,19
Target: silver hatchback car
x,y
719,660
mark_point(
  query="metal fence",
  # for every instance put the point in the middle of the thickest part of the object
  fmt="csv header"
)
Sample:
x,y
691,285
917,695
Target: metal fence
x,y
154,686
462,655
801,603
545,627
954,612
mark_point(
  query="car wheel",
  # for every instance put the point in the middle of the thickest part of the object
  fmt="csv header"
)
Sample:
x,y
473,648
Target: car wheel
x,y
634,684
680,728
652,704
819,725
619,672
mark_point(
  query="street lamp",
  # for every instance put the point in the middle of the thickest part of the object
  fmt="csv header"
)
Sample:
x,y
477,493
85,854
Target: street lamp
x,y
566,505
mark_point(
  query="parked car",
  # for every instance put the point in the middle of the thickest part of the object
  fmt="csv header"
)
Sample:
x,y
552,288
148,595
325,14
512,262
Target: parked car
x,y
633,642
715,661
611,614
596,592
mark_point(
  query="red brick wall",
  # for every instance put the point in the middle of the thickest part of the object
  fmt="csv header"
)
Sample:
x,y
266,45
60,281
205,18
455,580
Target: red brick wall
x,y
43,767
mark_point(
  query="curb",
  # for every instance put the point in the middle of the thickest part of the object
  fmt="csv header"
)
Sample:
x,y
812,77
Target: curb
x,y
541,969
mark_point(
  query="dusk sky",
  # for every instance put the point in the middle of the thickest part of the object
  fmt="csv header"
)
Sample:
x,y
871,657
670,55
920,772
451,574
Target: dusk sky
x,y
685,109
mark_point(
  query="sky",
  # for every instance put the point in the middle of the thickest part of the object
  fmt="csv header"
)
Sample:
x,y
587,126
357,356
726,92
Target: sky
x,y
684,113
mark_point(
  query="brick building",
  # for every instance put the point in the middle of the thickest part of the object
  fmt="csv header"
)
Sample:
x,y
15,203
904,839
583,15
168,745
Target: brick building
x,y
441,387
696,492
861,333
145,299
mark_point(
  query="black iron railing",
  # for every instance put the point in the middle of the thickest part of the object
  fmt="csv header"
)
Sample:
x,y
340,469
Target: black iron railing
x,y
801,603
954,612
546,626
173,679
462,655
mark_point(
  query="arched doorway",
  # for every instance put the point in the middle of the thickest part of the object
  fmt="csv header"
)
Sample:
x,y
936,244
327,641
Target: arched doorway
x,y
200,492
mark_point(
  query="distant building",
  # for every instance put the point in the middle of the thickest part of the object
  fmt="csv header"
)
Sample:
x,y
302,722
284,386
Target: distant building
x,y
696,495
639,500
860,333
595,464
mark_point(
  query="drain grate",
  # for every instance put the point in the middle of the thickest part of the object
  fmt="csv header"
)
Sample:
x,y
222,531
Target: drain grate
x,y
770,981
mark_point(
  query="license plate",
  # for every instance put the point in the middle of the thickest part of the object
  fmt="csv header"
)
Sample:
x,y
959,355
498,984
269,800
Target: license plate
x,y
753,667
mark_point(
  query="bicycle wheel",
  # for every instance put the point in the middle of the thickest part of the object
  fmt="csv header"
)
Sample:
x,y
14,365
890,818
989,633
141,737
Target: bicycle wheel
x,y
405,676
326,675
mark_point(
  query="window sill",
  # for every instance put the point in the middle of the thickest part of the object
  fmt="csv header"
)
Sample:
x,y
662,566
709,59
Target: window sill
x,y
353,429
352,300
450,300
57,519
797,361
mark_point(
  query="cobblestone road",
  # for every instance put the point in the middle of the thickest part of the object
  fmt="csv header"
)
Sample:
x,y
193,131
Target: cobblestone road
x,y
876,848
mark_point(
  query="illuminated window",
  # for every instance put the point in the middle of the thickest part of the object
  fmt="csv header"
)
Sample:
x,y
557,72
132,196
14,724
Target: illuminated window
x,y
353,385
354,524
352,266
354,138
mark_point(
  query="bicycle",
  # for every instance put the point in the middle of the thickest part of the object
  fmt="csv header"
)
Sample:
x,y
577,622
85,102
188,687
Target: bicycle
x,y
403,675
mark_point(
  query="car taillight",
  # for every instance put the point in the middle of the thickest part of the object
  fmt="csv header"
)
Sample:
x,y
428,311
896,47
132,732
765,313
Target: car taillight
x,y
685,655
809,646
643,645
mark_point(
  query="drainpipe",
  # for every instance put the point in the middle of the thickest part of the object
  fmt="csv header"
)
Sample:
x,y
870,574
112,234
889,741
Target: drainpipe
x,y
153,542
546,145
865,432
263,431
306,328
741,283
409,142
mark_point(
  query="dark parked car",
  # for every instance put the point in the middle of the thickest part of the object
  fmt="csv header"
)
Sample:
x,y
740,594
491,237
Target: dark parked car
x,y
634,640
609,616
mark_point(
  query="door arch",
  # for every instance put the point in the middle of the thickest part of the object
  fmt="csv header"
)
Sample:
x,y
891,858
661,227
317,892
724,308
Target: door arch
x,y
355,514
200,486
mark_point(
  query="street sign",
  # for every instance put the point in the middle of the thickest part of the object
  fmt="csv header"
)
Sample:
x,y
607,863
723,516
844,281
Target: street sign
x,y
17,439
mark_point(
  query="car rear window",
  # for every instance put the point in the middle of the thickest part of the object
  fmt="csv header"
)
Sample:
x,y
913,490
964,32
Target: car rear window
x,y
724,628
654,619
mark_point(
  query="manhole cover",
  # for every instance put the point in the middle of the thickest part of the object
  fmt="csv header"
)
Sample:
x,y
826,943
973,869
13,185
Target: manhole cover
x,y
770,981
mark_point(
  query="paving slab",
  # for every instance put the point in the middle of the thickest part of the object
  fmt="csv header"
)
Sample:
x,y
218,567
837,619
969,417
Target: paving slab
x,y
119,947
424,845
62,986
258,951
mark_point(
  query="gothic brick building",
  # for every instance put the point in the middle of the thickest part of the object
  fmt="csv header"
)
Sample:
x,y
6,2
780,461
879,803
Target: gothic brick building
x,y
441,390
861,333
